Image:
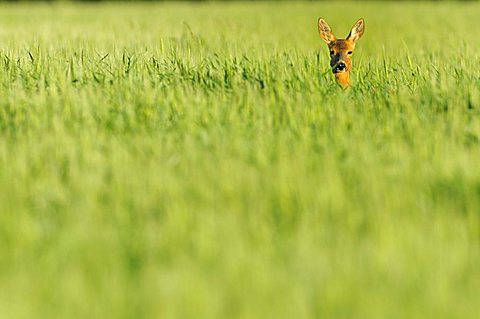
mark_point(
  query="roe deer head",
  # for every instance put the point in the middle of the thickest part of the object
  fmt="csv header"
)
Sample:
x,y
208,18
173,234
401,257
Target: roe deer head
x,y
341,50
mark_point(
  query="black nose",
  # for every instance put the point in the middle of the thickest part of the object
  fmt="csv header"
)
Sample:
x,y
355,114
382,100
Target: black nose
x,y
341,66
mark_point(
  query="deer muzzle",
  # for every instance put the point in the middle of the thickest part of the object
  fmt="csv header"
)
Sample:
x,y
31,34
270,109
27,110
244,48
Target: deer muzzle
x,y
339,67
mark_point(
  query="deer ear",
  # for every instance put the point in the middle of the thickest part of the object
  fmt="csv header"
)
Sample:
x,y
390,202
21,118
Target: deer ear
x,y
325,31
357,31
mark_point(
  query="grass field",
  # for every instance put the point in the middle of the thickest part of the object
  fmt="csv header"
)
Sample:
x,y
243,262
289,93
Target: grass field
x,y
198,161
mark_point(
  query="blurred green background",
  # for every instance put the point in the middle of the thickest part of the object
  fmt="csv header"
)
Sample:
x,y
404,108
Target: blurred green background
x,y
179,160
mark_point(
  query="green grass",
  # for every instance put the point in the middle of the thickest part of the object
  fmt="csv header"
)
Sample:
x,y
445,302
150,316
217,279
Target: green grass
x,y
198,161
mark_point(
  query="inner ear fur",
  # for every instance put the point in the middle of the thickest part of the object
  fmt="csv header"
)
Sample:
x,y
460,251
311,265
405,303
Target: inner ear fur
x,y
325,31
357,31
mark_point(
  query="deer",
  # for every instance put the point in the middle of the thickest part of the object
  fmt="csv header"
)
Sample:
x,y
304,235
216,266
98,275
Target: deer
x,y
341,50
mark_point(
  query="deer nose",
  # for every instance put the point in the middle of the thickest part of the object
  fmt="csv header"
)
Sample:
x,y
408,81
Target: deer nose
x,y
339,67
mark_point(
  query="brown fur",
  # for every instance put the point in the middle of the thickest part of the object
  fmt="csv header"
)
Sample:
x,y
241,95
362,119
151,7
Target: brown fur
x,y
341,50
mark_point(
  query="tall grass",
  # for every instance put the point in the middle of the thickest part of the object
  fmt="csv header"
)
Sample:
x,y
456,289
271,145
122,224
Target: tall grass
x,y
198,161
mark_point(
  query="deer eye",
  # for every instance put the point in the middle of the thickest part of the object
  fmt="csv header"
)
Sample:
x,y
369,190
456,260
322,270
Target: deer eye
x,y
332,52
349,52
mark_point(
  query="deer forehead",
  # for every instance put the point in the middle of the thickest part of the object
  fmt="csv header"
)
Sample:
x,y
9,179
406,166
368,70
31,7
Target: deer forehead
x,y
342,45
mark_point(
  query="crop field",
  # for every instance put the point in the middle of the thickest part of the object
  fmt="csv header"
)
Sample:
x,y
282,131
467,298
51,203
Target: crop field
x,y
180,160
